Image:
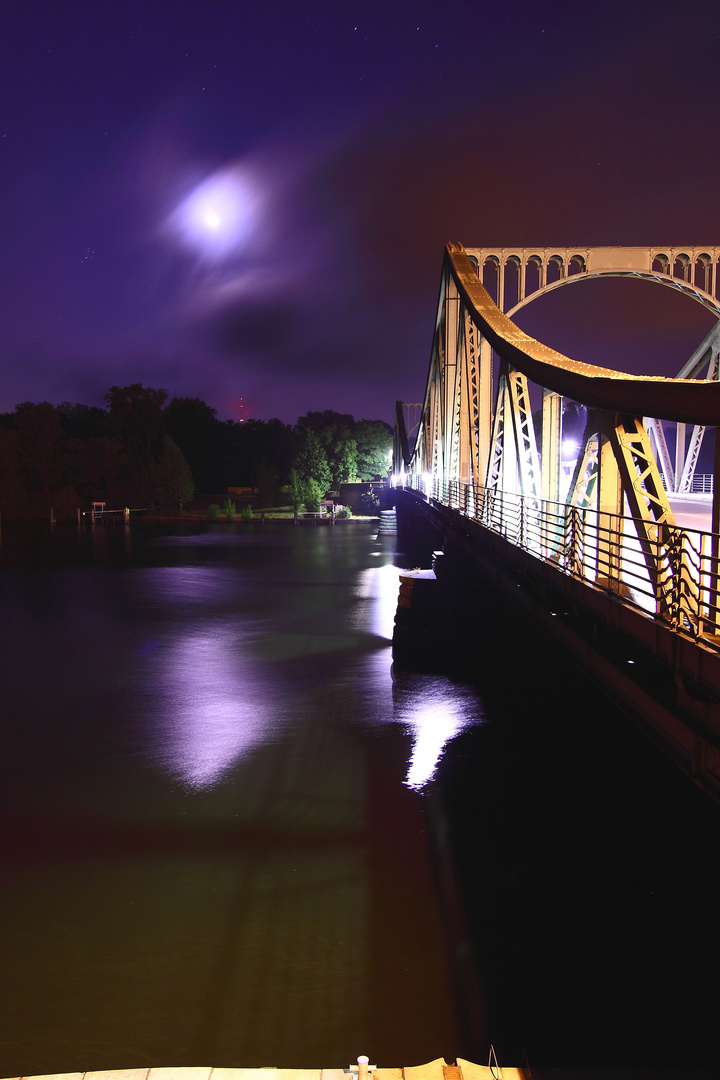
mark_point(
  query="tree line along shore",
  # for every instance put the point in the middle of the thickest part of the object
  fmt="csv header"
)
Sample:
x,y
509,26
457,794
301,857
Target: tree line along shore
x,y
143,450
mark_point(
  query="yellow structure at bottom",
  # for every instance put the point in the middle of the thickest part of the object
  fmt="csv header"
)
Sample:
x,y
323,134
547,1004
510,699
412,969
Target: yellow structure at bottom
x,y
434,1070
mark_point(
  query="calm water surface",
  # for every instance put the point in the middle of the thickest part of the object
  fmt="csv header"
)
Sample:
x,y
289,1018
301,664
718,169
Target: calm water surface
x,y
231,836
213,848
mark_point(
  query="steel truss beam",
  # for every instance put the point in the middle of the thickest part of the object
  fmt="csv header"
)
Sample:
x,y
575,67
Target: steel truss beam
x,y
582,492
454,437
655,428
616,463
498,457
514,463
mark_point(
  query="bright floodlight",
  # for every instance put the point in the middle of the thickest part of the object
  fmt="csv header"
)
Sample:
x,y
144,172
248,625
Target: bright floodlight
x,y
216,217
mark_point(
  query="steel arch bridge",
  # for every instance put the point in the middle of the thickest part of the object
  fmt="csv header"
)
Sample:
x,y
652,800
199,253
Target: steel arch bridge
x,y
604,523
515,277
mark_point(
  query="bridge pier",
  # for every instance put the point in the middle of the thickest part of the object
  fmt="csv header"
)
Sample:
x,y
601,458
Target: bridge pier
x,y
417,539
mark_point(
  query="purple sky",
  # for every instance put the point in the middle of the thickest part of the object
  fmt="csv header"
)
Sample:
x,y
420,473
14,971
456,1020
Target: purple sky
x,y
349,141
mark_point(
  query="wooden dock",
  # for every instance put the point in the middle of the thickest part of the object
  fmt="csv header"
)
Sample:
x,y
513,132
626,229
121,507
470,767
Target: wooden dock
x,y
433,1070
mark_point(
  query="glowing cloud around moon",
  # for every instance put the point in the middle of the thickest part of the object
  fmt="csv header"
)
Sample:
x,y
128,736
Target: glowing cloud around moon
x,y
217,216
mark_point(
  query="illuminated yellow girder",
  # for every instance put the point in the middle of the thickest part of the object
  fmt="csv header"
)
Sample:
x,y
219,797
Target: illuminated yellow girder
x,y
514,462
660,540
460,441
498,455
582,486
524,435
456,416
551,444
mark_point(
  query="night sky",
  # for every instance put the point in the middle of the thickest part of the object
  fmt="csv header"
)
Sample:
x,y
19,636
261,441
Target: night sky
x,y
250,200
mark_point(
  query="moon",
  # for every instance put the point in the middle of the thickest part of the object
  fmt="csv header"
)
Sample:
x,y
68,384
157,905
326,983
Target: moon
x,y
217,216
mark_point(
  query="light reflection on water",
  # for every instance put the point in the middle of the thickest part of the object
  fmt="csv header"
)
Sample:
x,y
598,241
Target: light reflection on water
x,y
434,711
380,586
430,708
209,693
209,711
221,765
203,705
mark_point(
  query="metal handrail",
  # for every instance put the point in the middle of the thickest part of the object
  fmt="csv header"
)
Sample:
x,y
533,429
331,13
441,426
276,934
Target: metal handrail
x,y
673,576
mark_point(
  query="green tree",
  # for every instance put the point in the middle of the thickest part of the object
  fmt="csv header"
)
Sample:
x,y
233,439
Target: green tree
x,y
82,421
13,496
295,492
173,481
311,461
96,466
312,496
255,445
335,432
135,415
35,473
268,484
341,450
40,447
194,427
369,503
374,449
320,421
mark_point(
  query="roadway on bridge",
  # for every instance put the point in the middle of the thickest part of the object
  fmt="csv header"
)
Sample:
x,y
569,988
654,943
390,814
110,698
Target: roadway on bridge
x,y
692,511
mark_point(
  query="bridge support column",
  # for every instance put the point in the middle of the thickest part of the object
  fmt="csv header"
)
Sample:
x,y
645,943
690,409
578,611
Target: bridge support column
x,y
485,418
679,454
551,443
610,506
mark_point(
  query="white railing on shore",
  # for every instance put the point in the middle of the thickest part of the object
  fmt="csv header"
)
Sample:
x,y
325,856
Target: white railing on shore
x,y
671,575
97,515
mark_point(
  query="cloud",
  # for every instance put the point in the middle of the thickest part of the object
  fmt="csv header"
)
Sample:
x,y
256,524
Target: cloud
x,y
258,328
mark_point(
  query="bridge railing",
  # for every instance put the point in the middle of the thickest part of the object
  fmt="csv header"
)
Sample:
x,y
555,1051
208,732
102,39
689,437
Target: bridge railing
x,y
702,484
673,575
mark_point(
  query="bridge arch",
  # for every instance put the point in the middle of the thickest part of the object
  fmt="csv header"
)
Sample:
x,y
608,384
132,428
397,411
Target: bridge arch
x,y
691,269
709,302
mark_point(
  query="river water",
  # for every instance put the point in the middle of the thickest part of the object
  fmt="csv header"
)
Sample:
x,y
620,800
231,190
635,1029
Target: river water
x,y
233,835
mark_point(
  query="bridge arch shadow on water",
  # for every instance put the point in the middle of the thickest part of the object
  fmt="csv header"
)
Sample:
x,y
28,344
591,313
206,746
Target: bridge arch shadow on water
x,y
592,551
